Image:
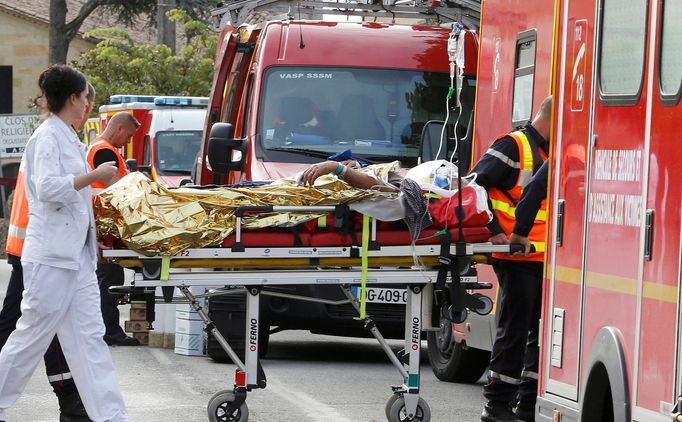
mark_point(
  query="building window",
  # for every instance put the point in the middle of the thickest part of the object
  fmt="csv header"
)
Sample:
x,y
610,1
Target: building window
x,y
524,76
671,48
6,89
621,52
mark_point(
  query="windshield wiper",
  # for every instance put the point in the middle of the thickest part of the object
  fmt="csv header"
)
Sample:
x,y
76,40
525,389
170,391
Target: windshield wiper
x,y
308,152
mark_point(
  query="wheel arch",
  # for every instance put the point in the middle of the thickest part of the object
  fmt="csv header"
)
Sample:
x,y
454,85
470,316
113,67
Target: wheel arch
x,y
607,359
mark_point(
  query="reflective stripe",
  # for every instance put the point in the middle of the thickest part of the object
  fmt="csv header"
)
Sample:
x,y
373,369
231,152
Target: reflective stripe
x,y
504,378
16,231
527,152
524,178
529,374
510,210
59,377
504,207
508,161
541,215
539,246
525,158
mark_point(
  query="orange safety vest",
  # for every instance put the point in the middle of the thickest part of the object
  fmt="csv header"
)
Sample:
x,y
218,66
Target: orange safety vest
x,y
18,220
98,145
504,202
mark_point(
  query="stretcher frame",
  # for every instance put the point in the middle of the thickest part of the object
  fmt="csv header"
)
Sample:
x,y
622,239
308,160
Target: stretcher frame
x,y
282,266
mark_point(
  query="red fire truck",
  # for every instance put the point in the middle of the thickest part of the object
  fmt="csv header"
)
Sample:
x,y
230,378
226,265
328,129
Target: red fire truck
x,y
297,92
611,314
611,343
610,325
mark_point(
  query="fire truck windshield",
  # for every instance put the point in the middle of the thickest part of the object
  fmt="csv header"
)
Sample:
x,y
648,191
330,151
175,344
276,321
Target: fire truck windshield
x,y
378,114
176,151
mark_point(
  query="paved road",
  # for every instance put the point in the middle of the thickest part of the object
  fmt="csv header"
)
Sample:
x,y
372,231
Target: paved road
x,y
311,378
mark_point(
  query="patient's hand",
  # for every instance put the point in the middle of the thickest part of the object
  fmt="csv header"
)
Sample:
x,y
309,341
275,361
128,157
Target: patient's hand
x,y
351,164
316,170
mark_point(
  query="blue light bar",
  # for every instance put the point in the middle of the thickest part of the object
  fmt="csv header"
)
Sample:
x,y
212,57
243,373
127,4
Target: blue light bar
x,y
181,101
120,99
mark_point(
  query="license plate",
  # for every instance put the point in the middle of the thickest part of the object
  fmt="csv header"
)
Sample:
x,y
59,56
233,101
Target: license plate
x,y
383,295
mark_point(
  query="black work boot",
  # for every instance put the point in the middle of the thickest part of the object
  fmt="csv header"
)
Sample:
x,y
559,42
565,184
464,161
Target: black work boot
x,y
525,411
71,408
496,411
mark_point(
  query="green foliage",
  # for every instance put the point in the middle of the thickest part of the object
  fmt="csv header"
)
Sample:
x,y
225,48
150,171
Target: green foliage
x,y
128,12
117,65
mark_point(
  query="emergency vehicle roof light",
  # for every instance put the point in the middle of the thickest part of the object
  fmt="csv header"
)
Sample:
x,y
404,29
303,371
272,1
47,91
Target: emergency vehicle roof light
x,y
120,99
181,101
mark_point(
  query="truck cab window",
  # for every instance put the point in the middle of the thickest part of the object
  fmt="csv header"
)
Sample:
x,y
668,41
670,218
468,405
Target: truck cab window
x,y
524,77
376,113
671,48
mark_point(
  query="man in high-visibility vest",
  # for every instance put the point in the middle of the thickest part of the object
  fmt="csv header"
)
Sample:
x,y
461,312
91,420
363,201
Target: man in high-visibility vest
x,y
58,373
528,208
104,148
504,170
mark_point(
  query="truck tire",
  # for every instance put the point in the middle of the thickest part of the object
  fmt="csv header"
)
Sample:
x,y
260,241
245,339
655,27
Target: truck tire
x,y
228,313
451,361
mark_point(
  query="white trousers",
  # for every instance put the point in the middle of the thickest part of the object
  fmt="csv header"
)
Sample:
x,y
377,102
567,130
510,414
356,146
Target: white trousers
x,y
65,302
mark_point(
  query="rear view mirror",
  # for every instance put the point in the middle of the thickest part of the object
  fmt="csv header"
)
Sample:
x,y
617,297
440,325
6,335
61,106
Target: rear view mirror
x,y
431,141
221,146
131,163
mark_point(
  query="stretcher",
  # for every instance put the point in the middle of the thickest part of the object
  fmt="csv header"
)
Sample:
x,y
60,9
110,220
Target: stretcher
x,y
251,261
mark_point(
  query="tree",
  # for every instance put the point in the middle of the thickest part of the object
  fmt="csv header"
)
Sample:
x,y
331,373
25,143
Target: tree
x,y
125,11
117,65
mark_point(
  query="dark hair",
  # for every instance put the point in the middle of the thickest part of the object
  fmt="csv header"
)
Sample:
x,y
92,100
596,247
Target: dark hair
x,y
57,83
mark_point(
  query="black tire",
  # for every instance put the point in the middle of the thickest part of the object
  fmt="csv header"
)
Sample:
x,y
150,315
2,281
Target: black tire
x,y
397,412
219,403
450,361
389,404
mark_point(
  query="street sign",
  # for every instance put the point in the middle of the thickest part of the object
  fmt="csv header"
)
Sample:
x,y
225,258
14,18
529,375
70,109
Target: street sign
x,y
15,129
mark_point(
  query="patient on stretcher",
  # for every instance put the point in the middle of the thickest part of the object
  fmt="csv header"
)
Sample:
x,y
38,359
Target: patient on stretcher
x,y
429,182
151,219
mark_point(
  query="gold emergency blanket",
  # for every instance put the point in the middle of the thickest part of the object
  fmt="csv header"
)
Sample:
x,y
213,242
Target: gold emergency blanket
x,y
153,220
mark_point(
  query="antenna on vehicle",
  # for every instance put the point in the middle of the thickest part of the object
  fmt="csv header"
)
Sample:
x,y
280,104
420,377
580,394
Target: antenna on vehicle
x,y
300,27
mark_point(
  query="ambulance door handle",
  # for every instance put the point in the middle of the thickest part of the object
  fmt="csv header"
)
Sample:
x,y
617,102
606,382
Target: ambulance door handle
x,y
560,222
593,141
649,235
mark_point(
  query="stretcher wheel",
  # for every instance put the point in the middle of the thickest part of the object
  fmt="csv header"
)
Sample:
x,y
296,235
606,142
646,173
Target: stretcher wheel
x,y
488,304
389,404
218,405
397,413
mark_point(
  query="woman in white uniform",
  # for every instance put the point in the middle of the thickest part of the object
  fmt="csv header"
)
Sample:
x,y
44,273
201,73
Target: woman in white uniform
x,y
59,257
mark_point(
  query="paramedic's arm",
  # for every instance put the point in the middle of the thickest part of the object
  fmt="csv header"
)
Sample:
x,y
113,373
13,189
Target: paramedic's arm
x,y
106,173
106,155
493,171
51,184
529,205
351,176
